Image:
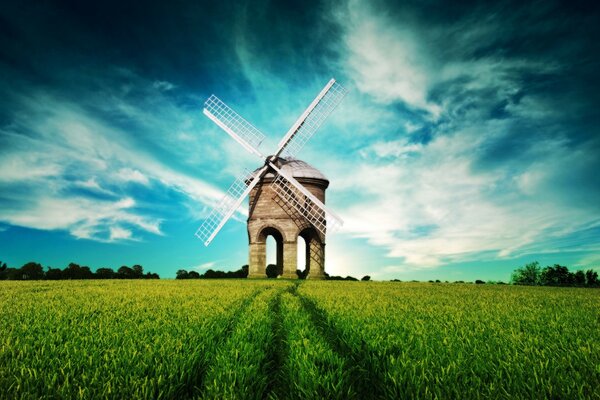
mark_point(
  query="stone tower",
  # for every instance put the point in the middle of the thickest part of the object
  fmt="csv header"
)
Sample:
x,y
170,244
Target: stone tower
x,y
269,215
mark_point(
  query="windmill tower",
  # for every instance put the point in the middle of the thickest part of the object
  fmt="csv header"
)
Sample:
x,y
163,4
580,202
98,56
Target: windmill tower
x,y
287,195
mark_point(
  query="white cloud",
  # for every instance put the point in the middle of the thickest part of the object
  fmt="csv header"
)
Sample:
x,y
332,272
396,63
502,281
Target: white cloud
x,y
385,59
437,207
132,175
163,85
118,233
204,266
71,148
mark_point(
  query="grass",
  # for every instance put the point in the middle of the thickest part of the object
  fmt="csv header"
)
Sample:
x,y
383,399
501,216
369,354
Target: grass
x,y
279,339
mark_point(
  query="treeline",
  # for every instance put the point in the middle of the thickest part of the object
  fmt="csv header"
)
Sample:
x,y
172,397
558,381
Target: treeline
x,y
212,274
557,275
35,271
271,272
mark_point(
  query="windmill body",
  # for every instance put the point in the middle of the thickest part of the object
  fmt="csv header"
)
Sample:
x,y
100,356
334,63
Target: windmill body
x,y
287,196
269,215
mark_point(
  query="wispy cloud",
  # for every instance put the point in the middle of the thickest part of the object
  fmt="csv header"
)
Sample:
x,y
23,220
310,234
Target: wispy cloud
x,y
80,171
481,172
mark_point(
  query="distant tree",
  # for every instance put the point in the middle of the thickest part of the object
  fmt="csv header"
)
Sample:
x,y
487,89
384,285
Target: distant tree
x,y
459,281
75,271
32,271
438,281
591,278
528,275
105,273
301,274
3,266
138,271
193,275
54,274
365,278
558,275
350,278
479,282
579,278
243,272
182,274
11,274
125,272
272,271
396,280
212,274
86,273
500,283
151,275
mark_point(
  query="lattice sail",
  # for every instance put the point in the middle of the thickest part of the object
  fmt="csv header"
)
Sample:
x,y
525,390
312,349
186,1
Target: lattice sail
x,y
231,122
315,118
234,197
306,204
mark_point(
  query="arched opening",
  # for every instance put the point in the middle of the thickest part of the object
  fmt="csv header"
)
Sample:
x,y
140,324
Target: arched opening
x,y
273,239
303,257
312,251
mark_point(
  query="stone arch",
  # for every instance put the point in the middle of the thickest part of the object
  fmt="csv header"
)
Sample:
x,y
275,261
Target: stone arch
x,y
260,234
263,234
314,267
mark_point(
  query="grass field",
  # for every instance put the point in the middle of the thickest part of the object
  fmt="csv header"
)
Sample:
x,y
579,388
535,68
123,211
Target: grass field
x,y
309,340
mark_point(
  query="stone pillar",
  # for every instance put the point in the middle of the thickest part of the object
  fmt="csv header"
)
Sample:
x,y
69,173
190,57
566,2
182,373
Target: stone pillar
x,y
290,260
317,260
258,260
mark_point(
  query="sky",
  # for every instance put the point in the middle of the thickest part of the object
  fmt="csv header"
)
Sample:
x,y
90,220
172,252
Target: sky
x,y
468,144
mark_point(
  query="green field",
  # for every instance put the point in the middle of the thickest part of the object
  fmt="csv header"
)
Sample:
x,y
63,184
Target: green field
x,y
309,340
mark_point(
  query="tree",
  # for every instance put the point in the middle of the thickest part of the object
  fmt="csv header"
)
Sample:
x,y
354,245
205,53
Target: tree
x,y
151,275
193,275
54,274
479,282
3,266
591,278
528,275
138,271
74,271
301,274
32,271
105,273
272,271
181,274
125,273
557,275
579,278
365,278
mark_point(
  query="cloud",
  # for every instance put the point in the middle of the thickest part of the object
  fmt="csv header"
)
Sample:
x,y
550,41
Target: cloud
x,y
204,266
163,85
132,175
386,59
483,172
71,167
118,233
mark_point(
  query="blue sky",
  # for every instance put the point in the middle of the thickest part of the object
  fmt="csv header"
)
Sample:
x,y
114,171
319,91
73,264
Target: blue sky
x,y
468,144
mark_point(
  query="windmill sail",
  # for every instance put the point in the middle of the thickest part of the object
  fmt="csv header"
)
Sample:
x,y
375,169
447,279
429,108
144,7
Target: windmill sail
x,y
231,122
305,203
312,118
234,197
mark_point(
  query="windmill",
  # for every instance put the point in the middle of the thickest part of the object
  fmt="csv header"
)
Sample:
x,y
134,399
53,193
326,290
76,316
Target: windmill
x,y
277,186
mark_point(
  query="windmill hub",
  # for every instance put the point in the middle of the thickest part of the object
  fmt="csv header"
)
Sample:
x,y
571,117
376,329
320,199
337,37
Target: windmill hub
x,y
287,196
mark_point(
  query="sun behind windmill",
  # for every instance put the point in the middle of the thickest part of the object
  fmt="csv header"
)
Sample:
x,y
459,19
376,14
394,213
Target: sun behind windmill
x,y
286,195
